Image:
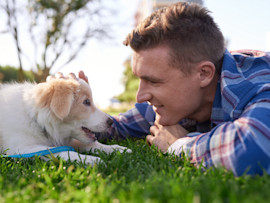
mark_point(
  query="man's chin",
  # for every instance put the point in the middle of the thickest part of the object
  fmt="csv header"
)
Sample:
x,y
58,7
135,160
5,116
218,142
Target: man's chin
x,y
164,121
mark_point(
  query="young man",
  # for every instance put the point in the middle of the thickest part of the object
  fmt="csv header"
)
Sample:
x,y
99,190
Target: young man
x,y
190,82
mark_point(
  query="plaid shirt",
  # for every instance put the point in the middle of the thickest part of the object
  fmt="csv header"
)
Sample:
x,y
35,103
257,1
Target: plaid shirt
x,y
239,134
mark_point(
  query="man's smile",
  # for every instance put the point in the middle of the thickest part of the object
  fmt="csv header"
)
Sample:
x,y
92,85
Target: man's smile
x,y
156,107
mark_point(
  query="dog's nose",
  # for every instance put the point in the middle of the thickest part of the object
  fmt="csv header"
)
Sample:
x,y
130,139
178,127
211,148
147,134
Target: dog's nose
x,y
109,121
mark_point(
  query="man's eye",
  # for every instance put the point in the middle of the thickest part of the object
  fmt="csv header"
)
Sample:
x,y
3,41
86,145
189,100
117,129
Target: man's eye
x,y
87,102
152,82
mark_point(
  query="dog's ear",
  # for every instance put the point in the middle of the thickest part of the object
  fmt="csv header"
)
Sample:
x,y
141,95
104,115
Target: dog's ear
x,y
58,95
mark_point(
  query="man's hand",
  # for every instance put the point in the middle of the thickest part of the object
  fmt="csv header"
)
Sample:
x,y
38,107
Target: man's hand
x,y
165,136
83,76
60,75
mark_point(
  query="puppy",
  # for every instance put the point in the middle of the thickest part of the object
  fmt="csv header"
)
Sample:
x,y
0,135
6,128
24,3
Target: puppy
x,y
35,117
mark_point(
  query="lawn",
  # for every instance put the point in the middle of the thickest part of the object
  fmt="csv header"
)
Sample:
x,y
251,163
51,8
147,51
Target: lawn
x,y
145,175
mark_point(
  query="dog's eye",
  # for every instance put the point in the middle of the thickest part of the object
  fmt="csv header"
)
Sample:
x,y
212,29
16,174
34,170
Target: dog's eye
x,y
87,102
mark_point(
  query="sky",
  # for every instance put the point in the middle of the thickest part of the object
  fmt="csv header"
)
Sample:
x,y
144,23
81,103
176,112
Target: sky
x,y
244,23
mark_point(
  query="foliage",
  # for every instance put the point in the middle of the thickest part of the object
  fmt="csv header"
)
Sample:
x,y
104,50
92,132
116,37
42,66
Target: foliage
x,y
58,31
145,175
114,111
131,84
8,74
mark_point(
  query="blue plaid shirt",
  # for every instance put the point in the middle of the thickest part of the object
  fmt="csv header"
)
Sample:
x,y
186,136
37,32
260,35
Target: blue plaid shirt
x,y
239,134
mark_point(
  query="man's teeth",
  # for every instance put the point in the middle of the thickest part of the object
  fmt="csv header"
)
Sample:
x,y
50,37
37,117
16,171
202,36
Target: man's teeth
x,y
155,107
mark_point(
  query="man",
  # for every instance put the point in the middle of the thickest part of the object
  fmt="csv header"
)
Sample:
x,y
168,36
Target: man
x,y
190,82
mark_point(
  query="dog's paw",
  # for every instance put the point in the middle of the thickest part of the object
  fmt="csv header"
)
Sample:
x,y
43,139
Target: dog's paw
x,y
75,156
96,147
92,160
121,149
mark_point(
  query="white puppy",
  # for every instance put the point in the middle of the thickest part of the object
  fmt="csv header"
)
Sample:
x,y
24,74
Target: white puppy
x,y
35,117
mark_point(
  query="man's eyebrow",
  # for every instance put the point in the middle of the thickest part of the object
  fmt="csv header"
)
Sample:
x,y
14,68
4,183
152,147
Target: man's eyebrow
x,y
151,78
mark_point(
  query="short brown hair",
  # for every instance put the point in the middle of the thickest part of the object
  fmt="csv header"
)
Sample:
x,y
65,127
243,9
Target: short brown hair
x,y
187,29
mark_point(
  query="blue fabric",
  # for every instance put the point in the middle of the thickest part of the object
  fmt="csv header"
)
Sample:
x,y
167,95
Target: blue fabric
x,y
41,153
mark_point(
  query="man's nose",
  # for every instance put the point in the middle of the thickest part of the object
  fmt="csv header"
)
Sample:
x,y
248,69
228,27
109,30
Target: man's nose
x,y
143,94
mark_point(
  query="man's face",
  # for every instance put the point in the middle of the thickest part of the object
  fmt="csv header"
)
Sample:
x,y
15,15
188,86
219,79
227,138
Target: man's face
x,y
173,94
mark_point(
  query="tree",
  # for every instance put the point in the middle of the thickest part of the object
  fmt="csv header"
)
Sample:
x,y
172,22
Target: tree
x,y
57,29
131,84
10,74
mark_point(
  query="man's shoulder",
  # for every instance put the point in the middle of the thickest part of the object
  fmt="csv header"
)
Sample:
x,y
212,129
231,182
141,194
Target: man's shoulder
x,y
246,60
250,57
249,53
245,76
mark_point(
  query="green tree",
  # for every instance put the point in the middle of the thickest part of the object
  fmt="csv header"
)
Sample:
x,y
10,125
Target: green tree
x,y
131,84
57,29
9,74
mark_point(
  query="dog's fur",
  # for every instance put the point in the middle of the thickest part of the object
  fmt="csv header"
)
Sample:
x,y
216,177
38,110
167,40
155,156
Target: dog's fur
x,y
36,117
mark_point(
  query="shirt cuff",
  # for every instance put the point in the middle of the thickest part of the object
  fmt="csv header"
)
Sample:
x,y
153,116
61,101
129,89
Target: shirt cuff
x,y
176,147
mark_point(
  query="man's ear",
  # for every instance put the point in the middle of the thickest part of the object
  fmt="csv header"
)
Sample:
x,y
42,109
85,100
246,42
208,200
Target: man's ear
x,y
58,95
206,72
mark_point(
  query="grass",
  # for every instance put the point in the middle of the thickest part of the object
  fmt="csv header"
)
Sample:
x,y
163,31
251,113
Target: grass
x,y
145,175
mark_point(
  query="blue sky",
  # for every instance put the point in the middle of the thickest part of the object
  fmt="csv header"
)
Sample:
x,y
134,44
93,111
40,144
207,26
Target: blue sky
x,y
245,23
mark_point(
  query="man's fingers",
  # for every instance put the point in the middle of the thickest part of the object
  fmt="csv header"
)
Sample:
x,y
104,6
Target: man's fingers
x,y
150,139
59,75
83,76
154,130
49,78
72,76
157,125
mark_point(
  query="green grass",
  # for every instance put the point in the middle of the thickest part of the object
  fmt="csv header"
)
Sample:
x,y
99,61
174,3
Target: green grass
x,y
145,175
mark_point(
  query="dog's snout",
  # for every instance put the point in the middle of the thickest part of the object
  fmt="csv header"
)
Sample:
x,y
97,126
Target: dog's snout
x,y
109,121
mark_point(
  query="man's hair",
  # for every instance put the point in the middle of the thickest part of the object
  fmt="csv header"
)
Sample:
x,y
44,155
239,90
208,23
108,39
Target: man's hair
x,y
186,29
